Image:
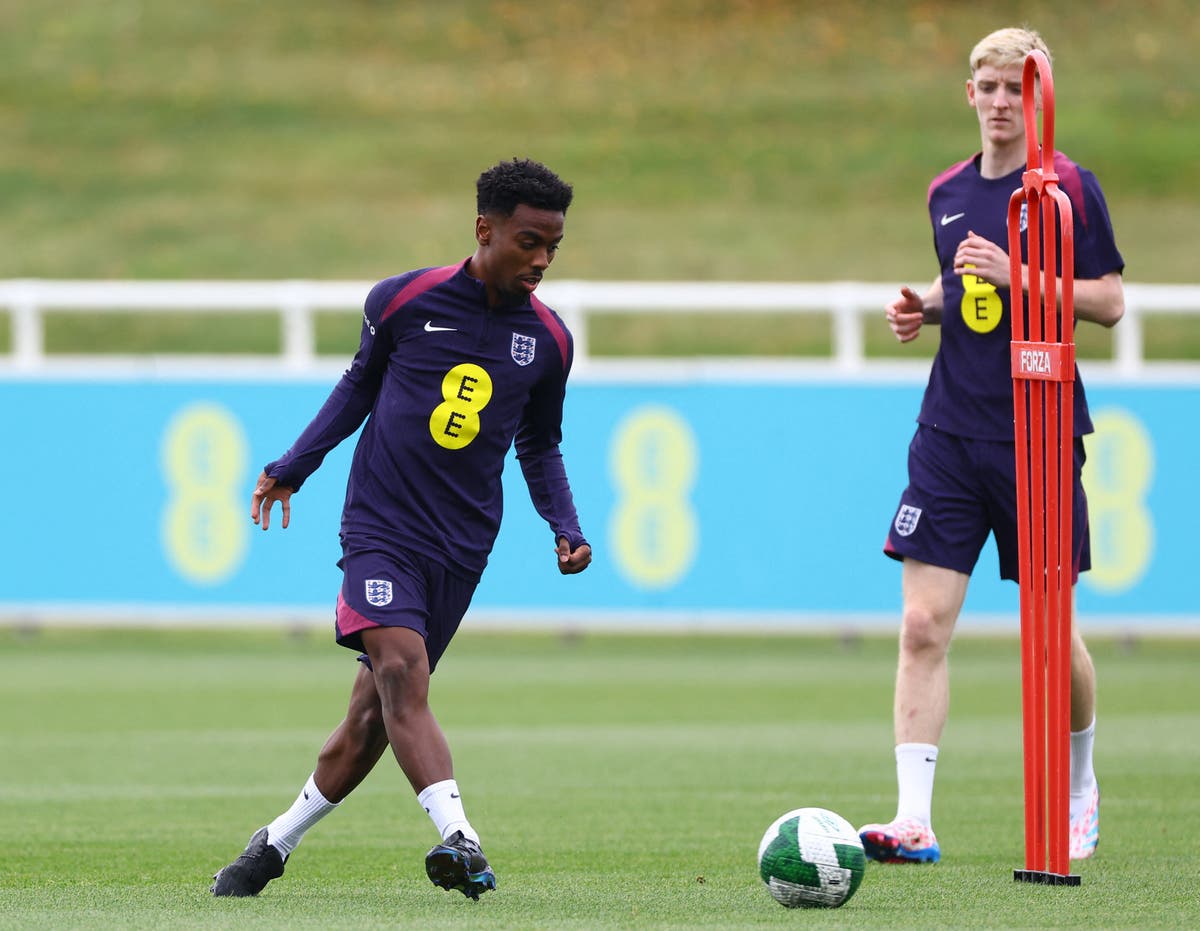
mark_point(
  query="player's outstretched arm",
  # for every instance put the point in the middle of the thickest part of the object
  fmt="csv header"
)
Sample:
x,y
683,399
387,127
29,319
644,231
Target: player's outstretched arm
x,y
571,561
266,493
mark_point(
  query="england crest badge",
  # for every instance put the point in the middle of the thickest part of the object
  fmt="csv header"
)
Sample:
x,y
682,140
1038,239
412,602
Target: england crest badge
x,y
522,348
379,592
906,520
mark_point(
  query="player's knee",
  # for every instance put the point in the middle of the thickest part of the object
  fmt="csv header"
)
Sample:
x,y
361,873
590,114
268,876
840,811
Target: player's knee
x,y
401,677
922,631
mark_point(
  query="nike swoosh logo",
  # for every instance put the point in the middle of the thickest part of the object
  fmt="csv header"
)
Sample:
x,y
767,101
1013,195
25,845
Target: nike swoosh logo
x,y
454,795
430,328
946,220
306,796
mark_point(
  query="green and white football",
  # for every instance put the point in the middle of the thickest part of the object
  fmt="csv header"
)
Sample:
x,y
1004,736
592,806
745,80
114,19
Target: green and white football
x,y
811,857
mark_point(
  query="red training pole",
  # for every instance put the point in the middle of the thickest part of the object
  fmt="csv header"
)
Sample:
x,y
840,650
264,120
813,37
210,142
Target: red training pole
x,y
1043,371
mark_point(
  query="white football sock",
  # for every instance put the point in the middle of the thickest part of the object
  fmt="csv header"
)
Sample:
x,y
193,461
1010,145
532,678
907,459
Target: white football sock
x,y
443,803
915,765
1083,776
311,806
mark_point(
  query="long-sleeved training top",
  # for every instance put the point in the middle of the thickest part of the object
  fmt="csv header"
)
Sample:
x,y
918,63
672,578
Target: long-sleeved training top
x,y
448,384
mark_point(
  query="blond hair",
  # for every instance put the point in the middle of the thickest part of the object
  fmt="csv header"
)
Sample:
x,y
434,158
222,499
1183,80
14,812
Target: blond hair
x,y
1006,47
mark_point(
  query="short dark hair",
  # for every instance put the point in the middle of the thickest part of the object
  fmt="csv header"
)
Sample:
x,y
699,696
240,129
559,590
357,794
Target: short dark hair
x,y
522,181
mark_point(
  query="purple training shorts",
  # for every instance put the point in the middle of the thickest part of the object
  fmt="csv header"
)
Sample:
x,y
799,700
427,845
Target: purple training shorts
x,y
400,588
961,489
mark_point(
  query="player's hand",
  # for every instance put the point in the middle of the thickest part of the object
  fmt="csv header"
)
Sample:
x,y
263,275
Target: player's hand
x,y
983,259
571,561
905,315
266,493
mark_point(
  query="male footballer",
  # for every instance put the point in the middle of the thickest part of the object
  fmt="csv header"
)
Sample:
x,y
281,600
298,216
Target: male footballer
x,y
455,364
962,461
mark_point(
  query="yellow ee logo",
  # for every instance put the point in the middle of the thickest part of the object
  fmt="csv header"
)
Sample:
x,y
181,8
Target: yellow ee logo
x,y
981,305
1117,478
467,389
204,454
654,527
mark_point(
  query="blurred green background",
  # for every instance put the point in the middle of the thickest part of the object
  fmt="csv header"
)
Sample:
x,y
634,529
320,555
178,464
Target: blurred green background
x,y
751,140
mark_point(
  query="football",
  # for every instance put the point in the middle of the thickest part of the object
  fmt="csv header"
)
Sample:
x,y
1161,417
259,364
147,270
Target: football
x,y
811,857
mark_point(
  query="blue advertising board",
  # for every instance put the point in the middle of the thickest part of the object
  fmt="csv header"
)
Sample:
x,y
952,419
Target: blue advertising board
x,y
739,501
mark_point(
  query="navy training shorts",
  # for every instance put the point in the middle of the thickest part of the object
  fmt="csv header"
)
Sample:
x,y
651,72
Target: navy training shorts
x,y
400,588
961,489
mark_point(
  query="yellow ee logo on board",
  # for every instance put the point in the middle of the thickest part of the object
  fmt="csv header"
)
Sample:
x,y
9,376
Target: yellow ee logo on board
x,y
1118,478
982,308
203,455
654,529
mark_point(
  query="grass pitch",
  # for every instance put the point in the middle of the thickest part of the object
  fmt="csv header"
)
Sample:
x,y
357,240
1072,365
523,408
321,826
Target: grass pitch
x,y
756,140
618,782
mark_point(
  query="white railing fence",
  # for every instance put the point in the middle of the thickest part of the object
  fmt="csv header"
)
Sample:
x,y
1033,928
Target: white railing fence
x,y
849,303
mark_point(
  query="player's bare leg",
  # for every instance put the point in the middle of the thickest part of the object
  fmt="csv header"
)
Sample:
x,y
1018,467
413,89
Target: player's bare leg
x,y
1083,683
356,744
401,672
933,597
401,669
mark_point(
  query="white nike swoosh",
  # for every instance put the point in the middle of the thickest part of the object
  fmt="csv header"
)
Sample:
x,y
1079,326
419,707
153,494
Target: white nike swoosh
x,y
430,328
946,219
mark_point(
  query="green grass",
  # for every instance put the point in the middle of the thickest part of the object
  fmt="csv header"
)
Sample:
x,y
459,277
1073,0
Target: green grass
x,y
749,141
618,781
757,140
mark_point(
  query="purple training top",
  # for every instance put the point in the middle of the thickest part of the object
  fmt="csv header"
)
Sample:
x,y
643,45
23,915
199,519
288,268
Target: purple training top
x,y
449,383
970,385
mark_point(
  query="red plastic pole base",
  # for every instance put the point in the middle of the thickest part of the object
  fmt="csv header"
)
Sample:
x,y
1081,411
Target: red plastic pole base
x,y
1044,878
